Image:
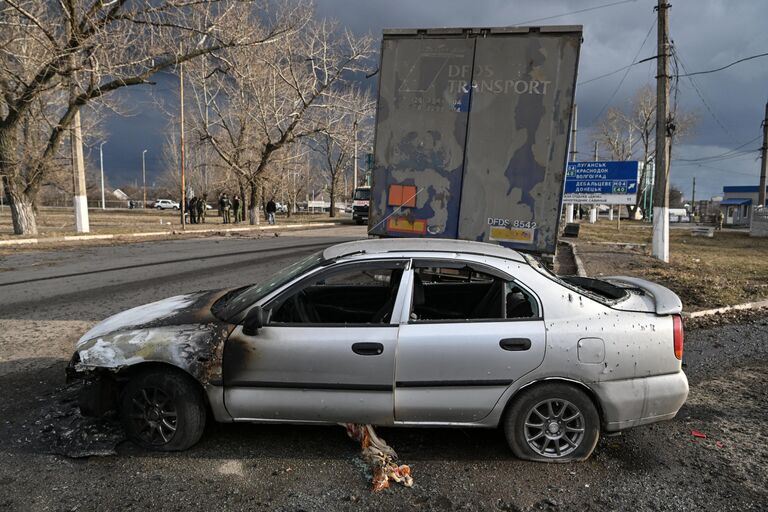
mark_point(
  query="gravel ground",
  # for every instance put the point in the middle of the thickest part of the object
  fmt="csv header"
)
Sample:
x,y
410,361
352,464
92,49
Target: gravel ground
x,y
256,467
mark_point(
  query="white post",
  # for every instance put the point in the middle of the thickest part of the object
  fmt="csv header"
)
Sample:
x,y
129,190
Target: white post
x,y
610,212
101,163
593,215
569,213
80,199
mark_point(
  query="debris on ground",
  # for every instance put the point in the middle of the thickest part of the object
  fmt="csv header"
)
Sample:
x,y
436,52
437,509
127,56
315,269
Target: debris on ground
x,y
380,457
64,431
696,433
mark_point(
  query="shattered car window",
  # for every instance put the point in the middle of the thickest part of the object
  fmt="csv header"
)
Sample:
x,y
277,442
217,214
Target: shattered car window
x,y
248,296
596,289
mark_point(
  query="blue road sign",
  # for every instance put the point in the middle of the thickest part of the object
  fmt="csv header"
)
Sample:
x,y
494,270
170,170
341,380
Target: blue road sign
x,y
601,182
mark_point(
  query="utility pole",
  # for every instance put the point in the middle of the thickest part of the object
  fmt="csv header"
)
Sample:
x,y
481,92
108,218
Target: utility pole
x,y
661,185
101,164
144,179
183,202
764,152
574,120
79,198
693,196
596,156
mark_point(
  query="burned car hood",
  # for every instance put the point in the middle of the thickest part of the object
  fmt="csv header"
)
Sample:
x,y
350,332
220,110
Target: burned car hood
x,y
192,308
180,331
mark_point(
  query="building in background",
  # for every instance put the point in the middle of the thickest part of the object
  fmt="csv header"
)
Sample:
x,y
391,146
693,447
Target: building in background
x,y
737,204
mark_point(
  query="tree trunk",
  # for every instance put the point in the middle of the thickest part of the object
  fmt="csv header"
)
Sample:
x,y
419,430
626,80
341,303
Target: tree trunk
x,y
22,208
333,196
253,215
20,202
243,205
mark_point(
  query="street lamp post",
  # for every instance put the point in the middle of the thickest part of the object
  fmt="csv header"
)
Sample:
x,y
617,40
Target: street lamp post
x,y
144,177
101,163
354,177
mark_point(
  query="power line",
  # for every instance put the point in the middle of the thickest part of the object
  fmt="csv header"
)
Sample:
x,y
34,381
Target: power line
x,y
607,74
574,12
611,73
724,171
600,113
676,56
741,154
725,67
726,153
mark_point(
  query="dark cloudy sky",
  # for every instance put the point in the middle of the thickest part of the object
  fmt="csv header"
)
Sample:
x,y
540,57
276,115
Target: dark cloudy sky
x,y
707,34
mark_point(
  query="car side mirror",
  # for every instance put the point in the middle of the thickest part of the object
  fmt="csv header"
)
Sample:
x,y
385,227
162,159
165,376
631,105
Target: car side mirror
x,y
254,321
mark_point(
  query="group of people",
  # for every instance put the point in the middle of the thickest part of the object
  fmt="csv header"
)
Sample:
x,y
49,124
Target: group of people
x,y
230,210
196,208
227,207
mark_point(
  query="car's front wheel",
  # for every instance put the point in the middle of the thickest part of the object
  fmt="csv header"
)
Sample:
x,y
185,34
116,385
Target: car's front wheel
x,y
163,410
552,422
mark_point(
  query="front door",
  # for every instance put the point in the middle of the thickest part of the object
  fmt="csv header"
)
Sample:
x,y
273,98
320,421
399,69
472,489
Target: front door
x,y
327,351
470,334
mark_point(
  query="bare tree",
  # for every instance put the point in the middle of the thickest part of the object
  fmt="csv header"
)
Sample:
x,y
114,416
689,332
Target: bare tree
x,y
621,132
71,53
261,100
346,120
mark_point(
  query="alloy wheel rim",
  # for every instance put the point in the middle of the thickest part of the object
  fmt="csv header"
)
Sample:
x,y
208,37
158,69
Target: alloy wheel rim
x,y
554,428
154,416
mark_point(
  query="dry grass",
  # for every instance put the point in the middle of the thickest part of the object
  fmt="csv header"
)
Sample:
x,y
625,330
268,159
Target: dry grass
x,y
728,269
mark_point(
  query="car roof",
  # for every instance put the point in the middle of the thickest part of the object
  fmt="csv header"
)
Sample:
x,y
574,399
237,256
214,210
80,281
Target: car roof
x,y
386,245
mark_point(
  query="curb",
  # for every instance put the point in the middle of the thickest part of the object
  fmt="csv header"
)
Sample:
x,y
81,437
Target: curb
x,y
708,312
150,234
576,259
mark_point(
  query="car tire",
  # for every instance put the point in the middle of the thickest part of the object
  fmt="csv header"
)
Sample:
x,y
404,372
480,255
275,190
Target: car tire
x,y
552,422
359,222
163,410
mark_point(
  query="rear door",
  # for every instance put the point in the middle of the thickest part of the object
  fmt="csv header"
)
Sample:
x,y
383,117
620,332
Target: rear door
x,y
471,333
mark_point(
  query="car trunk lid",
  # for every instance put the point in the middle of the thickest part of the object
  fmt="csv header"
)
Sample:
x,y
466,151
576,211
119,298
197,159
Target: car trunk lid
x,y
646,296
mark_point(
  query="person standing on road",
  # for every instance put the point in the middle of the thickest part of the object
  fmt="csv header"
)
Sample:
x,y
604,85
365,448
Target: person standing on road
x,y
271,209
720,219
202,204
236,206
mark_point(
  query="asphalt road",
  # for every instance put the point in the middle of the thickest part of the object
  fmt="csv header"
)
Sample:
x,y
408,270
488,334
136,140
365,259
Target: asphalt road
x,y
48,298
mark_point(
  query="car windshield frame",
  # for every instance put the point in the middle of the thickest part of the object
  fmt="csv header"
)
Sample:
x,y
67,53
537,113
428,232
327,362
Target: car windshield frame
x,y
234,305
362,191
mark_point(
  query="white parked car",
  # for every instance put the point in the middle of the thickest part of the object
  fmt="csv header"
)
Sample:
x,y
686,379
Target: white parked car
x,y
166,204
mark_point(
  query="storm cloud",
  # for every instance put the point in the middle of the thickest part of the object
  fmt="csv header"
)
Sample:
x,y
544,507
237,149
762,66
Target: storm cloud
x,y
707,34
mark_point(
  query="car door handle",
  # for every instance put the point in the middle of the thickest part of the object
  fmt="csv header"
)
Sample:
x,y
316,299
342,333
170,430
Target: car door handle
x,y
515,344
367,349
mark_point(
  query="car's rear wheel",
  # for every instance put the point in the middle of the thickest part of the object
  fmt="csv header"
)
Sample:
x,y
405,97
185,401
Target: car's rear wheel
x,y
163,410
552,422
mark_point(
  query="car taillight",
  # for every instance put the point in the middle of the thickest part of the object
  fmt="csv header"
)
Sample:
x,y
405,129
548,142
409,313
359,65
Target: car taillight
x,y
678,332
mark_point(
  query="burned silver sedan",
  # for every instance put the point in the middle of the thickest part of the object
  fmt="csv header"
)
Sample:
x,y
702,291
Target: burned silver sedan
x,y
408,332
